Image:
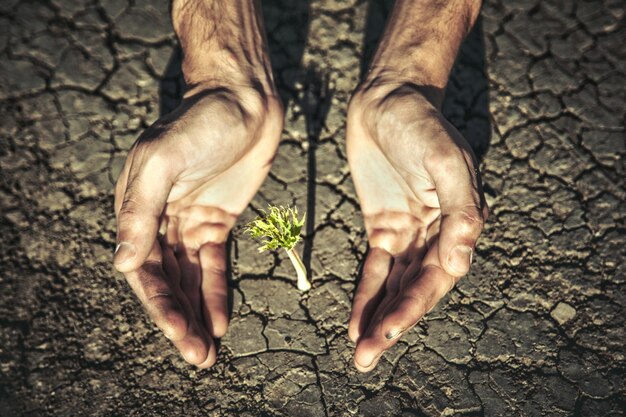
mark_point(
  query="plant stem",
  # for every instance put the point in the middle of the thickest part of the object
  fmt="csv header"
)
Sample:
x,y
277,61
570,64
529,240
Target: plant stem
x,y
303,282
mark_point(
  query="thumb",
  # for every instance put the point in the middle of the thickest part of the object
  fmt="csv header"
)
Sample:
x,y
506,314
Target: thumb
x,y
141,204
459,232
463,210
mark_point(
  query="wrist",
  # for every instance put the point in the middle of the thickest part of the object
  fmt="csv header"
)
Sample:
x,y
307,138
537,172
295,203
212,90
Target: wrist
x,y
371,102
386,82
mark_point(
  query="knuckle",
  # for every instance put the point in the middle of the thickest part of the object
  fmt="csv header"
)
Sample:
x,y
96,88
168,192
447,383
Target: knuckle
x,y
159,295
470,220
216,297
128,210
214,268
156,157
154,152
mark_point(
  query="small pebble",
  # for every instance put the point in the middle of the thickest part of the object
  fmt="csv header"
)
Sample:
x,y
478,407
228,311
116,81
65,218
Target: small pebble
x,y
563,313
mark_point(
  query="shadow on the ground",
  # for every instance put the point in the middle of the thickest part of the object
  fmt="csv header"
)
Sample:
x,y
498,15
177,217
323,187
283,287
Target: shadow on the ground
x,y
315,104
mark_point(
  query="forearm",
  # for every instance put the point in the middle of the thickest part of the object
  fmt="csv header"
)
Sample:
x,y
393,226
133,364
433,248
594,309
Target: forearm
x,y
222,42
421,42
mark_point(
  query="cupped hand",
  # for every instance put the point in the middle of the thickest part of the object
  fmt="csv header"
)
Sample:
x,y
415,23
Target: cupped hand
x,y
419,189
189,176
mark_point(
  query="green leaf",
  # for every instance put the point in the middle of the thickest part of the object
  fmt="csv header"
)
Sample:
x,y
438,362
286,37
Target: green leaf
x,y
279,227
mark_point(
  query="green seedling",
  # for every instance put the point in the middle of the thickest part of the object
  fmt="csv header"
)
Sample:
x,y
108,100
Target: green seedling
x,y
279,227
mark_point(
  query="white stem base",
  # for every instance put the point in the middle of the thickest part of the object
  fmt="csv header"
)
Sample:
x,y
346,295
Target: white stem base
x,y
303,282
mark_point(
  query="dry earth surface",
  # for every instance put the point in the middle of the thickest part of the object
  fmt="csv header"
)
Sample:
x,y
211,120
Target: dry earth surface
x,y
536,328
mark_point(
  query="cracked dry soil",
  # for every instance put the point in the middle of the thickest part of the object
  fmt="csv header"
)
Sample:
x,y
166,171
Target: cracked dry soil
x,y
536,328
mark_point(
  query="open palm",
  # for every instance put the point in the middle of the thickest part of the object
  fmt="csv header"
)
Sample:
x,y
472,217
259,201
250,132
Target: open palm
x,y
189,176
423,209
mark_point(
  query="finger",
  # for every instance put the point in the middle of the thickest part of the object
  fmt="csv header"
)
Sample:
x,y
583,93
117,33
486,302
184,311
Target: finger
x,y
211,357
172,231
170,264
410,261
214,288
392,284
411,272
419,295
456,181
196,235
191,279
190,284
142,202
404,313
158,296
416,297
393,280
196,347
369,291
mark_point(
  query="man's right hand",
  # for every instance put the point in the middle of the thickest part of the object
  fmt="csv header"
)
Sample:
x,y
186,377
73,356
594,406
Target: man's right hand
x,y
194,171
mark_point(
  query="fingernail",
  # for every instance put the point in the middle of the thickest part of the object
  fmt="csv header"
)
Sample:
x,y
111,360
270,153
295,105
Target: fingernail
x,y
393,334
460,259
124,252
374,361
